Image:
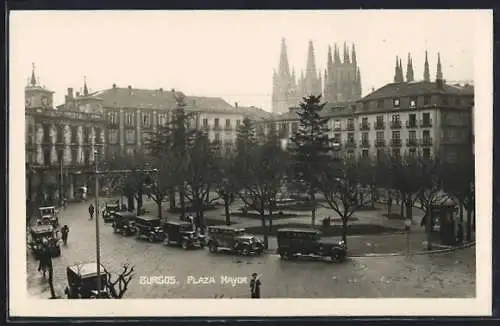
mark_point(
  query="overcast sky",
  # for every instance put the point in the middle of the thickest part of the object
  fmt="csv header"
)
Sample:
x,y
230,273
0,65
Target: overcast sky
x,y
228,53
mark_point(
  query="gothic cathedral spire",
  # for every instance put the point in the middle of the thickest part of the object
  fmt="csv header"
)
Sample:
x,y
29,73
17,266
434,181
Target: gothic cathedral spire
x,y
336,54
398,71
346,54
284,68
33,78
85,89
409,69
427,76
439,72
354,59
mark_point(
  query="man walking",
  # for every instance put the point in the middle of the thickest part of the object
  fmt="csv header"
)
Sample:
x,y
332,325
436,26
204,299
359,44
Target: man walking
x,y
255,287
64,232
91,211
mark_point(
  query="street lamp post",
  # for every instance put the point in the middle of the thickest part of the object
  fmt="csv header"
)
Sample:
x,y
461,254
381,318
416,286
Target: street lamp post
x,y
97,238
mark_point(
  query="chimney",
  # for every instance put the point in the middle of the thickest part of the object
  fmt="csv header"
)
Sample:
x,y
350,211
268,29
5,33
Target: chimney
x,y
236,104
129,89
173,90
161,90
70,93
77,94
114,86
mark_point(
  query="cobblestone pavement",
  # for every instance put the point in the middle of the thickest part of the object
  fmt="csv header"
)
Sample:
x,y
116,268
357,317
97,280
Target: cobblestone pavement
x,y
444,275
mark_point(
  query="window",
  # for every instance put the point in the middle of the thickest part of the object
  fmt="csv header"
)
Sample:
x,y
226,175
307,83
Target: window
x,y
162,120
98,135
129,119
364,153
412,152
413,119
412,135
396,152
364,137
426,134
113,136
380,118
380,104
364,121
426,152
350,155
446,100
350,124
295,127
337,138
228,147
205,122
413,102
130,137
74,156
395,102
380,135
113,117
396,134
217,137
426,117
73,135
228,123
350,137
427,100
146,120
238,123
336,124
216,123
60,134
395,118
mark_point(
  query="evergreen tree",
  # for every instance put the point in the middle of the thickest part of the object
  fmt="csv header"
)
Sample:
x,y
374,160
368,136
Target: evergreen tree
x,y
311,146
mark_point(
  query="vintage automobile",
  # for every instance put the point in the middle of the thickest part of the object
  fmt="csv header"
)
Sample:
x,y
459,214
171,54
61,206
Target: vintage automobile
x,y
49,213
183,234
149,227
124,223
109,210
307,242
83,281
233,239
40,232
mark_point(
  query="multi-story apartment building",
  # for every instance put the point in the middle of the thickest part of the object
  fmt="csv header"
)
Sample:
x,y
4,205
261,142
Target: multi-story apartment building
x,y
132,114
402,118
60,145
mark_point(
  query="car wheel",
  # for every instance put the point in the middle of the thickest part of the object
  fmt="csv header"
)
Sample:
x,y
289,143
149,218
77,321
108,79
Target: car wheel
x,y
115,230
244,252
213,247
336,257
282,256
151,239
124,232
184,244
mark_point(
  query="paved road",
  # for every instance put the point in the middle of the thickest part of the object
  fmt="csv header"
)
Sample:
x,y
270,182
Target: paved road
x,y
445,275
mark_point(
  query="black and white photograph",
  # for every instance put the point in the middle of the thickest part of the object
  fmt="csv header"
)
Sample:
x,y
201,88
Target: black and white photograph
x,y
319,156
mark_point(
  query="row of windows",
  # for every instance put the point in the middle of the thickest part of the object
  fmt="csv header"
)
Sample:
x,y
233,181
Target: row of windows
x,y
59,134
380,124
146,119
217,123
396,134
83,157
413,101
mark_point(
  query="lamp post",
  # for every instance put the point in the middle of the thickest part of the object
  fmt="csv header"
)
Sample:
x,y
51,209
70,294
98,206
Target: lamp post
x,y
97,239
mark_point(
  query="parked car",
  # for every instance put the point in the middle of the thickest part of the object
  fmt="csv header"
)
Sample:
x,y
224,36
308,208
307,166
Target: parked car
x,y
149,227
38,234
124,222
307,242
83,279
183,234
233,239
109,210
49,214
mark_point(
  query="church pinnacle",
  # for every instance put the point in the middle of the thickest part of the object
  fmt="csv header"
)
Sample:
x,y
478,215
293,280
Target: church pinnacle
x,y
409,69
284,68
33,78
439,72
427,76
85,89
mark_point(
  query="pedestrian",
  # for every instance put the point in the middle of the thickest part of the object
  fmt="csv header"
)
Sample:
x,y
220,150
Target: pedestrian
x,y
255,284
91,210
45,257
65,231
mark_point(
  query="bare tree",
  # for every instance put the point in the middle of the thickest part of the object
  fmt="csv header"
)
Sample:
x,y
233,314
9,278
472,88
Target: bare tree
x,y
119,285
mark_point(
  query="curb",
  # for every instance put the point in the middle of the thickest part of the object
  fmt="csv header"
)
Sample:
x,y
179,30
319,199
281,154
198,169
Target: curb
x,y
395,254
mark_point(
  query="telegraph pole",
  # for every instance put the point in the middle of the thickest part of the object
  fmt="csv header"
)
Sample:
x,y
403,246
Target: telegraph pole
x,y
97,238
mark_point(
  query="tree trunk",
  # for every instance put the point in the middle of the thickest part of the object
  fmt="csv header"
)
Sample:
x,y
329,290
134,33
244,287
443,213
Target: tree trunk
x,y
266,234
172,199
131,203
158,203
182,200
428,222
139,202
409,209
201,217
270,221
313,209
402,205
226,209
344,230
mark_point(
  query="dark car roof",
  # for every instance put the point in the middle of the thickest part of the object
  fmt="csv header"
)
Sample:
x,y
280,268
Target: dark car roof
x,y
86,269
42,228
126,214
177,223
298,230
148,218
225,227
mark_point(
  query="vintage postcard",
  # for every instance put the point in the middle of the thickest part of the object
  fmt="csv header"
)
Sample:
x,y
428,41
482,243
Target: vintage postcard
x,y
256,163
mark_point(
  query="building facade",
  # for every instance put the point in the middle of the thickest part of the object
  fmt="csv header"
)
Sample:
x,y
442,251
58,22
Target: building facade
x,y
132,114
60,145
402,118
341,81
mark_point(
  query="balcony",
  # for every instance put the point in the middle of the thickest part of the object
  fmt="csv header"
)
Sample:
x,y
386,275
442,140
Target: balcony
x,y
365,143
228,128
350,144
379,125
217,128
426,141
411,142
396,124
350,126
396,142
337,128
426,123
364,126
380,143
411,124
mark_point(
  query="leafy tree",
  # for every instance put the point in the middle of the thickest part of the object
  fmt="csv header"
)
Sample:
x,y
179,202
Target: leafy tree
x,y
339,184
368,171
311,146
201,173
227,183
